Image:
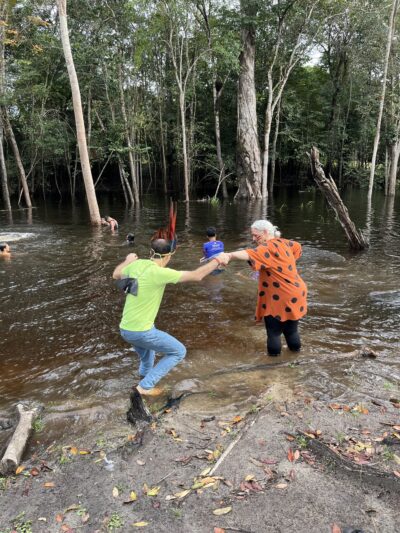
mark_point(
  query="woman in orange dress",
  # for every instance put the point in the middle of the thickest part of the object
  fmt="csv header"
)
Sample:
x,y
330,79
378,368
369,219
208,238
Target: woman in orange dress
x,y
282,294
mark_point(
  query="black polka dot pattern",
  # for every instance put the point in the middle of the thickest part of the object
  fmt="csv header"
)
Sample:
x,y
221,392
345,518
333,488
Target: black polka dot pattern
x,y
281,293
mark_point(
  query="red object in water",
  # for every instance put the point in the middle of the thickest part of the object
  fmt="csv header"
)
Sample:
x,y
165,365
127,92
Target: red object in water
x,y
169,232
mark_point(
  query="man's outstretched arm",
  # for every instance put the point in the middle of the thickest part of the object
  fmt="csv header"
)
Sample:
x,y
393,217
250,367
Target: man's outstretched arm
x,y
130,258
201,272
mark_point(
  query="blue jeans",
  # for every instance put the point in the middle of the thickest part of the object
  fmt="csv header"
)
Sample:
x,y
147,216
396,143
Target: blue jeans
x,y
146,344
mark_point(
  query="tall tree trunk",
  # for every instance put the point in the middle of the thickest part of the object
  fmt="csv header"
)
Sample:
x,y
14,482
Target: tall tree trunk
x,y
163,156
80,124
3,168
186,170
128,136
267,134
274,143
17,156
394,164
391,28
217,127
248,149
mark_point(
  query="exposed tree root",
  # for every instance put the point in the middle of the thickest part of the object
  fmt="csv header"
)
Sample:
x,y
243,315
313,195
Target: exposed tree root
x,y
365,473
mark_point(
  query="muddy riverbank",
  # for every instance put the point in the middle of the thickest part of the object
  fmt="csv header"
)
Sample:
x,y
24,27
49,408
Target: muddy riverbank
x,y
290,463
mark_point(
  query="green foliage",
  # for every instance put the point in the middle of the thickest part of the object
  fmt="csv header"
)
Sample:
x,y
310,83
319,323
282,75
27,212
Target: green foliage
x,y
21,525
115,522
124,52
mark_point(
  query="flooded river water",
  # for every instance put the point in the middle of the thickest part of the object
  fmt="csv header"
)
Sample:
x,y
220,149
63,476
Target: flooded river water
x,y
60,344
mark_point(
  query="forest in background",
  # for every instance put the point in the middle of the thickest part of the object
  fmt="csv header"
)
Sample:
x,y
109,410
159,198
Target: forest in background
x,y
190,98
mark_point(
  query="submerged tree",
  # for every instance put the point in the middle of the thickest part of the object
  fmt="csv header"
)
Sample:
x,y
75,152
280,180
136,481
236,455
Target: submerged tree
x,y
80,124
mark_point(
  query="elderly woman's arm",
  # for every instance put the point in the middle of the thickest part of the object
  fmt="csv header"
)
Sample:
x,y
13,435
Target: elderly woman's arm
x,y
240,254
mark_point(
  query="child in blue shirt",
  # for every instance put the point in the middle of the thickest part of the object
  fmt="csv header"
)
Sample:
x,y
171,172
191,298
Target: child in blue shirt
x,y
212,247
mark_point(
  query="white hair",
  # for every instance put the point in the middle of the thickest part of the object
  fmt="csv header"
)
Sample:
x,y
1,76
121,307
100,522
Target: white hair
x,y
266,225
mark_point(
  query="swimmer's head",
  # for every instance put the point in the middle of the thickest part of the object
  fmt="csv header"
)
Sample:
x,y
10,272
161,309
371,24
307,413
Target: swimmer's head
x,y
4,248
211,232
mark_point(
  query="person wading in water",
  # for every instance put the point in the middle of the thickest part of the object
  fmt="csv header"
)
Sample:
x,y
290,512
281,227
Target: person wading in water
x,y
148,280
282,294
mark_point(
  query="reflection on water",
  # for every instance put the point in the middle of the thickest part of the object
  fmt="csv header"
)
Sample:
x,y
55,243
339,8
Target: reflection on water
x,y
60,311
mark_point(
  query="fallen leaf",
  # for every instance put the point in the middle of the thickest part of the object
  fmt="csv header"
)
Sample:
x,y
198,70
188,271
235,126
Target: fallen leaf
x,y
74,450
296,455
85,518
59,518
115,492
268,461
140,524
335,529
133,496
153,491
49,485
281,485
237,419
206,471
397,428
42,519
292,474
182,494
34,472
84,452
219,530
396,473
396,459
250,477
185,460
65,527
223,510
72,507
19,469
335,406
290,455
140,462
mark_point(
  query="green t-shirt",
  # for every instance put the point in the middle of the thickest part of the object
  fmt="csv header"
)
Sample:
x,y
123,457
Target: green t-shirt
x,y
140,311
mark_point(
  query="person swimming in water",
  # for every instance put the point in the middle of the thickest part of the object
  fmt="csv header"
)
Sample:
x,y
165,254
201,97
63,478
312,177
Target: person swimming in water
x,y
111,222
4,250
130,239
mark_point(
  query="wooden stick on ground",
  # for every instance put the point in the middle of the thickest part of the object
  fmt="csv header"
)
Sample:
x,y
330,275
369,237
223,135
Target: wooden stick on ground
x,y
18,442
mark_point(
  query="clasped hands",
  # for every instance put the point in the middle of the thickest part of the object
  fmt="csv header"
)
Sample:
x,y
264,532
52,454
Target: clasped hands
x,y
223,258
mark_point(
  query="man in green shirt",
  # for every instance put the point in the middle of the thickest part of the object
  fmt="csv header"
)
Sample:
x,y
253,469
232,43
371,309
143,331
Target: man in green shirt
x,y
142,305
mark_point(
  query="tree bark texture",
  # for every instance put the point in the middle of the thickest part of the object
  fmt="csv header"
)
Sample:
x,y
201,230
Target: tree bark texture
x,y
128,135
248,158
21,171
328,187
78,112
395,6
394,164
3,168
